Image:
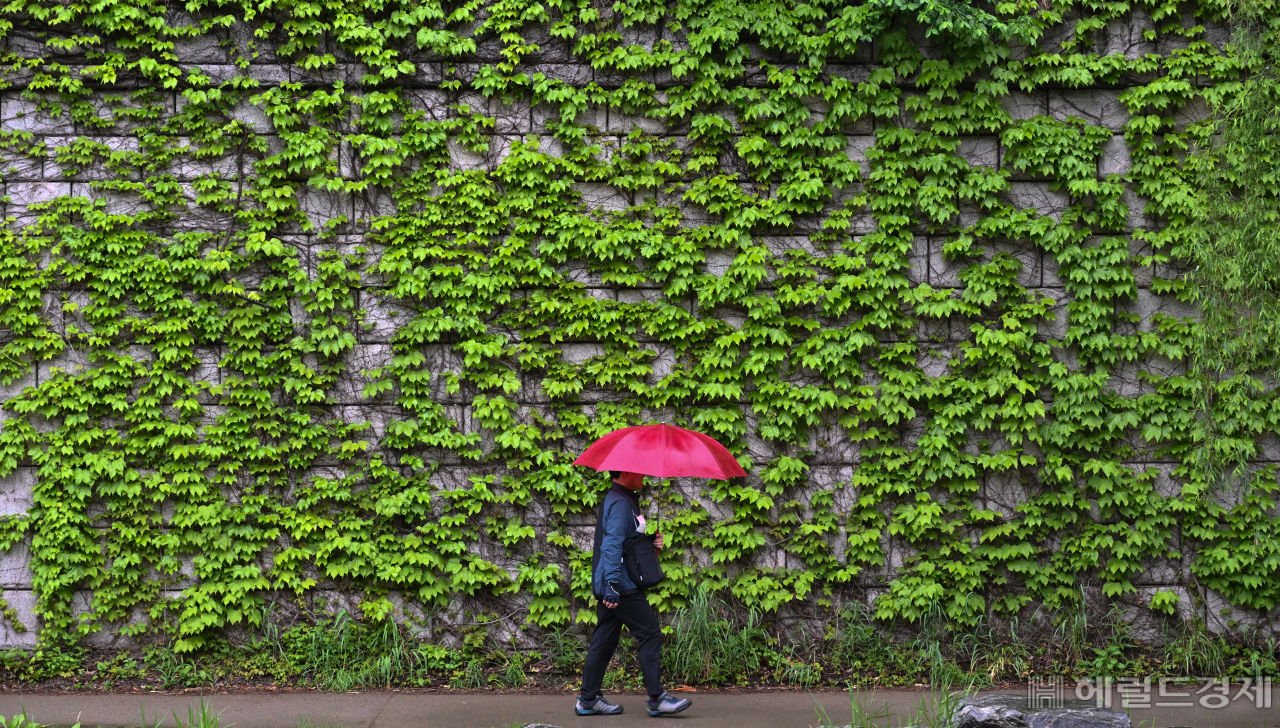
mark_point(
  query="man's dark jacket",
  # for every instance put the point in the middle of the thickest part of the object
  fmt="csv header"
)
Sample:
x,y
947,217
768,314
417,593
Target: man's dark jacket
x,y
617,523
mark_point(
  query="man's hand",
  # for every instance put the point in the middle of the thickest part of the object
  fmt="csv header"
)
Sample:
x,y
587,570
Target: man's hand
x,y
611,596
657,541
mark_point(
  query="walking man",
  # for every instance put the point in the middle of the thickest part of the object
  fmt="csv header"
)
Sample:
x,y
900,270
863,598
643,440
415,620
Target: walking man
x,y
622,603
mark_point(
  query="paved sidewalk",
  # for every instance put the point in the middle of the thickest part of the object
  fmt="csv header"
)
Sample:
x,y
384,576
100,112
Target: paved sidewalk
x,y
378,709
763,709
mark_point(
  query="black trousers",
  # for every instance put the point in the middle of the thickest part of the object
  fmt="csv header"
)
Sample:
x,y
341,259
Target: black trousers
x,y
634,612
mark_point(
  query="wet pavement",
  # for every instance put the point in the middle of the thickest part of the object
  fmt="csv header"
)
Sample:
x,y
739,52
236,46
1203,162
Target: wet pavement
x,y
391,709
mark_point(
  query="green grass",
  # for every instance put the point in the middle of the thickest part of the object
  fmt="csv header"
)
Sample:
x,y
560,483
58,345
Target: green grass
x,y
472,676
205,717
1191,650
707,643
935,709
862,712
21,720
566,649
147,724
704,646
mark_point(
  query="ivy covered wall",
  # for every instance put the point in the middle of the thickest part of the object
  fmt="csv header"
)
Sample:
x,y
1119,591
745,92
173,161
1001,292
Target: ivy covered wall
x,y
312,301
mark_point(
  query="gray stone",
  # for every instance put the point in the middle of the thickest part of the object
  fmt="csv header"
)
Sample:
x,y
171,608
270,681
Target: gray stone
x,y
1024,106
488,159
1193,112
936,362
945,272
22,195
579,353
433,103
1013,711
1185,611
371,205
857,151
383,316
1138,216
325,209
508,119
362,359
852,73
348,74
189,166
23,601
18,167
425,75
663,363
16,492
1138,251
19,114
1098,107
1217,34
1115,157
595,117
640,295
207,375
834,451
28,47
1125,381
573,74
1002,492
199,49
579,273
1037,196
119,203
980,151
601,198
254,117
15,567
1124,36
218,74
1148,304
718,262
779,246
621,123
602,294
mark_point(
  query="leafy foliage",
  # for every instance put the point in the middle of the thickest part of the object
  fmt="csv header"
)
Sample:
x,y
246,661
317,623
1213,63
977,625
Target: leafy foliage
x,y
716,218
1236,275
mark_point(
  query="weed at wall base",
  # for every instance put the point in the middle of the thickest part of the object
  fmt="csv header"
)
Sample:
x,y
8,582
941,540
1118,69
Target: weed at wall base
x,y
708,642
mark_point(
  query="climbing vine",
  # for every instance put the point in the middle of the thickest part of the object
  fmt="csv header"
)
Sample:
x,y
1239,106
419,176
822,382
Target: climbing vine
x,y
316,297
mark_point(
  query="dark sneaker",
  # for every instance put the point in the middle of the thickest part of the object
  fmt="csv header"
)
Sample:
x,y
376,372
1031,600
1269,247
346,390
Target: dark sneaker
x,y
666,704
596,706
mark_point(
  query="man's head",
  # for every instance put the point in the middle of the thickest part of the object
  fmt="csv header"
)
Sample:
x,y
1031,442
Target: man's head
x,y
632,481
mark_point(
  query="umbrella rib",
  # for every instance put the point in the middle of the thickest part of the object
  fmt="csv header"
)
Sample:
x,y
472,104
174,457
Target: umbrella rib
x,y
666,448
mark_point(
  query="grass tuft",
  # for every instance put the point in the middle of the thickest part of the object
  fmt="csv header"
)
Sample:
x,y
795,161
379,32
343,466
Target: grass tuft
x,y
704,647
205,717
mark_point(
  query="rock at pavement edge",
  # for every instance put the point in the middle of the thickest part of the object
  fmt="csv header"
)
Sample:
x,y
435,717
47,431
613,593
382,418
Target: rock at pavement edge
x,y
1012,711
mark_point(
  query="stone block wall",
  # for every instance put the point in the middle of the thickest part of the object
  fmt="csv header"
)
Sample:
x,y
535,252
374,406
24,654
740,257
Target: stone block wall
x,y
358,220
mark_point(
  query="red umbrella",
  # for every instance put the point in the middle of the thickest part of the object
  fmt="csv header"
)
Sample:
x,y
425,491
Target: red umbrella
x,y
663,451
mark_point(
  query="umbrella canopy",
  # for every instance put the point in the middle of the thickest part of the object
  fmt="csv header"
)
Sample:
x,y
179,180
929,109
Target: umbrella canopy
x,y
663,451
